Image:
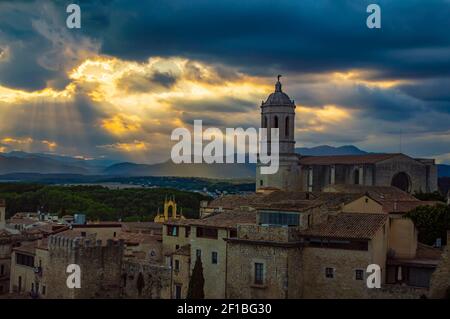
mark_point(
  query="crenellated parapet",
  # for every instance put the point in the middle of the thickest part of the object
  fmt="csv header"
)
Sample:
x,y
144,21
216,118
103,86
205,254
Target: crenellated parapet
x,y
71,244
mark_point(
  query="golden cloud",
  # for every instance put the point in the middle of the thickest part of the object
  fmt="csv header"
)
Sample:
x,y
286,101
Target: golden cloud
x,y
121,124
51,145
135,146
15,141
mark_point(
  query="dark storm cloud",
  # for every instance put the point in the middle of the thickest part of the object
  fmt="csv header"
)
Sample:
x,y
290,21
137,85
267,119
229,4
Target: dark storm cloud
x,y
141,83
41,48
308,36
226,105
437,90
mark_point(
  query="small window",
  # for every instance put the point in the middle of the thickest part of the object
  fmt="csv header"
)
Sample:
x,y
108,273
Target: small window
x,y
359,274
2,269
83,234
114,235
356,177
329,272
261,183
203,232
276,122
286,127
233,233
187,231
198,253
177,291
177,265
259,273
172,230
43,289
214,257
177,246
367,200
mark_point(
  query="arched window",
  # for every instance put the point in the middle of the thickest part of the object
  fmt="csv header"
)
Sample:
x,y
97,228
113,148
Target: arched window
x,y
286,127
356,177
276,122
265,122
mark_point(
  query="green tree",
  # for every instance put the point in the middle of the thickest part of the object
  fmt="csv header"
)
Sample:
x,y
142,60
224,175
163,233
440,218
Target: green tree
x,y
195,289
140,283
430,196
432,222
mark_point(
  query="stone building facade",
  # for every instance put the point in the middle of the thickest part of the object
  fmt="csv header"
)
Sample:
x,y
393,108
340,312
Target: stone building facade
x,y
313,173
100,264
144,280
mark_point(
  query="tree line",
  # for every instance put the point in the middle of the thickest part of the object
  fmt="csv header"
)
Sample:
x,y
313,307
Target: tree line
x,y
97,202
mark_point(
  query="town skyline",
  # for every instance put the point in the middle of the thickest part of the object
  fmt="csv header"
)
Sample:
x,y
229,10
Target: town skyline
x,y
117,87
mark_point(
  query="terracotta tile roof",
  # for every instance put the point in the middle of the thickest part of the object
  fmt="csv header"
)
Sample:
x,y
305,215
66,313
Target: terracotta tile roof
x,y
22,221
295,201
235,201
141,226
378,193
225,219
399,207
27,247
348,226
427,252
291,205
426,256
346,159
132,238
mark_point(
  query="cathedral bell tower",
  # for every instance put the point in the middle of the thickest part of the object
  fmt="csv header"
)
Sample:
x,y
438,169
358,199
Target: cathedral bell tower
x,y
278,111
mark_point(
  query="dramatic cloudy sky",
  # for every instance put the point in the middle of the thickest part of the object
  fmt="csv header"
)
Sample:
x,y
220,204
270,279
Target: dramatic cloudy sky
x,y
137,69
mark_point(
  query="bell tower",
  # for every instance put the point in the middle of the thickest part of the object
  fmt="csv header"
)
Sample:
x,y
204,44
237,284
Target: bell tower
x,y
278,111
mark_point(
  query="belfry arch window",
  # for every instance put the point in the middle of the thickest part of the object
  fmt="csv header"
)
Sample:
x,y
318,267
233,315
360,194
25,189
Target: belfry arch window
x,y
276,122
286,127
265,122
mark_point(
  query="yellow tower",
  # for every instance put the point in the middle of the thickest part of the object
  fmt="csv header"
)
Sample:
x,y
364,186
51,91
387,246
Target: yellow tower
x,y
170,206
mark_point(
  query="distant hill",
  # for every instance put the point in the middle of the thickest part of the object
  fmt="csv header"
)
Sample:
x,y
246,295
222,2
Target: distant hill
x,y
324,150
22,162
216,170
36,164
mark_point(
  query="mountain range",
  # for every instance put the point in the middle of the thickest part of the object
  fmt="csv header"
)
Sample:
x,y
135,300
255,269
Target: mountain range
x,y
22,162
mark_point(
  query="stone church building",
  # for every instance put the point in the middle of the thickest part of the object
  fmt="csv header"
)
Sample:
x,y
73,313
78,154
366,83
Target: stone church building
x,y
313,173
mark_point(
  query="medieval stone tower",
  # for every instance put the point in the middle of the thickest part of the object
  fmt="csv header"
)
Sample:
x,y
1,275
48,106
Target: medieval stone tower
x,y
278,111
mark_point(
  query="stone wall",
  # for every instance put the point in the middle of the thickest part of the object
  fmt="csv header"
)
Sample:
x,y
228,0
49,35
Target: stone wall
x,y
440,279
101,268
277,282
181,276
5,264
344,263
397,292
156,278
214,274
266,233
417,172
